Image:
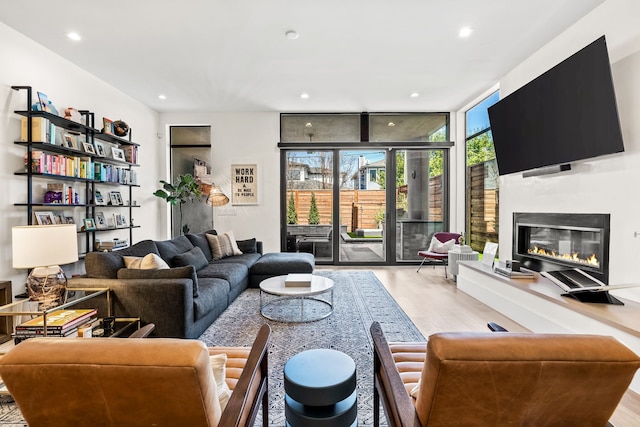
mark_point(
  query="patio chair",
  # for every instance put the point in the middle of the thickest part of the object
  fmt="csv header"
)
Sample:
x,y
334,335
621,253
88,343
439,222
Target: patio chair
x,y
433,253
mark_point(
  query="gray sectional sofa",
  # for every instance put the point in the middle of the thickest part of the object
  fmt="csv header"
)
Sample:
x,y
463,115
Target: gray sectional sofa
x,y
184,300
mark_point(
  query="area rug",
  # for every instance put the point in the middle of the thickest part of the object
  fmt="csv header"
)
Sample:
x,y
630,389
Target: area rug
x,y
359,299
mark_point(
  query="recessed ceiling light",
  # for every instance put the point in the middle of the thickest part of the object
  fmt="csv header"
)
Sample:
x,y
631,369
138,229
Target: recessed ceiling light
x,y
308,125
465,32
292,35
74,36
304,95
391,124
414,94
162,96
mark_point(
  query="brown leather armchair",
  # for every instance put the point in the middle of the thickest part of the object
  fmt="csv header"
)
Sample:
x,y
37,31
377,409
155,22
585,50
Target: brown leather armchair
x,y
493,379
134,382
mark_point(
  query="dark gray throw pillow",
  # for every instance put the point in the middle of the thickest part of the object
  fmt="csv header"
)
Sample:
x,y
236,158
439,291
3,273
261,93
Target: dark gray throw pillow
x,y
193,257
248,246
188,272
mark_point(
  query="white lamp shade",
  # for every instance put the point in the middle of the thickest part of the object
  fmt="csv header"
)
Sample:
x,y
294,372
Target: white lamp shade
x,y
44,245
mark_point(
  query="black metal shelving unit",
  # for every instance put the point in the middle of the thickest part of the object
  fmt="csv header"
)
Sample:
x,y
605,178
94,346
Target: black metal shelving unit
x,y
91,134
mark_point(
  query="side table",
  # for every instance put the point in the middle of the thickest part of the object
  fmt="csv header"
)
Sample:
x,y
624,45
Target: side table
x,y
460,254
320,389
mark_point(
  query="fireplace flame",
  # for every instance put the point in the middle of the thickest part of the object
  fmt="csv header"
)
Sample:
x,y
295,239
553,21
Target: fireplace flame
x,y
574,257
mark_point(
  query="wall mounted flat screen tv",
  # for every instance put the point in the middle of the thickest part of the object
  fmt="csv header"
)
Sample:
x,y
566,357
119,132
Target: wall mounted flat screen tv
x,y
567,114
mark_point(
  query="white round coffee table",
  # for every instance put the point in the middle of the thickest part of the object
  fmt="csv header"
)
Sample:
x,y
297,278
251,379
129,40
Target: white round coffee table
x,y
279,307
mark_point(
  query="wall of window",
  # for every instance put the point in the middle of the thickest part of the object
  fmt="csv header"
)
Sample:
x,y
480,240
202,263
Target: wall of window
x,y
481,176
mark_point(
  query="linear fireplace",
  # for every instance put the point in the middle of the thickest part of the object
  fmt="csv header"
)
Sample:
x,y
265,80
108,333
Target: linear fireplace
x,y
556,241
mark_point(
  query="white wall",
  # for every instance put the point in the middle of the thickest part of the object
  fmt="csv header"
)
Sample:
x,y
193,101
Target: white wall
x,y
604,185
27,63
242,138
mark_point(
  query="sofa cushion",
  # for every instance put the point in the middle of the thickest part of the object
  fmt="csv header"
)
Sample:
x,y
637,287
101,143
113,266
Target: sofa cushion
x,y
212,297
248,246
233,273
193,257
279,263
141,248
188,272
147,262
170,248
232,240
244,259
200,240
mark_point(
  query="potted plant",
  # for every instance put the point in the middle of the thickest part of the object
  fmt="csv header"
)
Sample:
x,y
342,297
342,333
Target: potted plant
x,y
184,189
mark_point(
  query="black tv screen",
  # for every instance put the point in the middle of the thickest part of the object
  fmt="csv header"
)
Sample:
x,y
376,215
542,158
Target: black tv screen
x,y
567,114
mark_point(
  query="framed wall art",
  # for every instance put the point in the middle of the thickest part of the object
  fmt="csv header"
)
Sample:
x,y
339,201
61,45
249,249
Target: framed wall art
x,y
244,184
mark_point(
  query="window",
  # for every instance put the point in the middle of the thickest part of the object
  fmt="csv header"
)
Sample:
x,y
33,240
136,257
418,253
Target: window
x,y
482,176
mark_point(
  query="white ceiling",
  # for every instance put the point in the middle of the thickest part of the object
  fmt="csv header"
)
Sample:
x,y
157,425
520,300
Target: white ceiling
x,y
351,55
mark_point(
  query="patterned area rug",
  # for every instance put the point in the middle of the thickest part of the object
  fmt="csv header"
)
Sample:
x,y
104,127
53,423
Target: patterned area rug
x,y
359,299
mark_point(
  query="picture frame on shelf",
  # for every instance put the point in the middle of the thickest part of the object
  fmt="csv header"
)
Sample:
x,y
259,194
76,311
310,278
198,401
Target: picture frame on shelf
x,y
44,102
118,154
89,224
120,220
68,219
44,218
58,218
111,222
116,198
107,126
100,151
98,199
88,148
70,141
101,221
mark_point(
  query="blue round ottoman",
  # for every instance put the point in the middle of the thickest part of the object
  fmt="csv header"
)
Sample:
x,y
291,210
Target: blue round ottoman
x,y
320,387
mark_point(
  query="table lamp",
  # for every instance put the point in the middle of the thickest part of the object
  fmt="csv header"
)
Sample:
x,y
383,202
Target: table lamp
x,y
43,248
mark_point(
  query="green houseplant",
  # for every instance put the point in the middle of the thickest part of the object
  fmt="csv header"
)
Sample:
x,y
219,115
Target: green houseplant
x,y
184,189
314,213
292,213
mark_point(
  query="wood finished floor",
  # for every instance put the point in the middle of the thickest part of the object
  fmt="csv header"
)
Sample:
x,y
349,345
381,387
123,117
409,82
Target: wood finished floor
x,y
435,305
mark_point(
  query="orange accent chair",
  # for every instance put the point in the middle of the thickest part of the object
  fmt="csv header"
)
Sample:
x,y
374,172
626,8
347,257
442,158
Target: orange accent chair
x,y
500,379
135,382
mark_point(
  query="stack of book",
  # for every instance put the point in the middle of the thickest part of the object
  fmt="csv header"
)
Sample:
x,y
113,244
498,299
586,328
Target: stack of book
x,y
522,274
60,323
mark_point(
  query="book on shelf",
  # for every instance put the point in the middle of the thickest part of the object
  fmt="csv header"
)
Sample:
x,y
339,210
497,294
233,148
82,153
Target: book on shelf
x,y
42,130
522,274
58,320
297,280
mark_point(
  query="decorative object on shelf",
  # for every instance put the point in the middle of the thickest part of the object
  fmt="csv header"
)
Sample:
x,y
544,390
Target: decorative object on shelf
x,y
58,218
100,151
44,248
73,115
120,128
244,184
89,224
101,221
44,218
184,189
118,154
68,219
88,148
116,198
107,126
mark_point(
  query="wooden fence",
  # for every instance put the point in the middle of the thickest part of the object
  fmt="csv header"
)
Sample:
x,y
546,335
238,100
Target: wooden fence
x,y
482,208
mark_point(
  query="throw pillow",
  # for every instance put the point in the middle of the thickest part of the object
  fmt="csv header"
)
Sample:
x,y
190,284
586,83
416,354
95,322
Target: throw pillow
x,y
147,262
234,245
193,257
439,247
218,366
220,246
188,272
415,390
214,244
249,246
